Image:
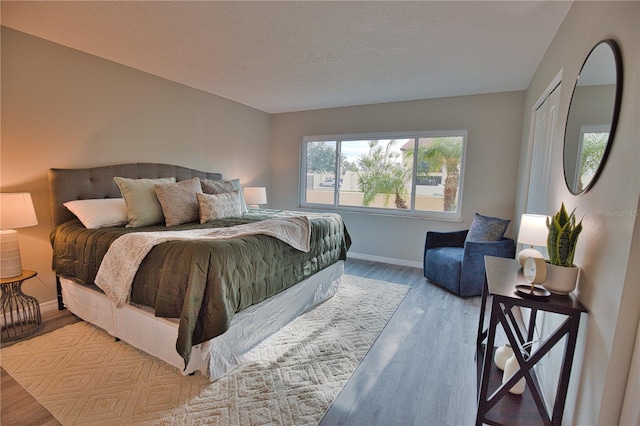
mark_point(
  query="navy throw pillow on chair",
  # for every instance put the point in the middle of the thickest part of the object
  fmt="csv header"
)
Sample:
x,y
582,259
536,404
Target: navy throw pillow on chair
x,y
486,229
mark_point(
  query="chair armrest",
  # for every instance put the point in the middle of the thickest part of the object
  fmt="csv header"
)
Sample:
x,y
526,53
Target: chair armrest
x,y
472,268
445,239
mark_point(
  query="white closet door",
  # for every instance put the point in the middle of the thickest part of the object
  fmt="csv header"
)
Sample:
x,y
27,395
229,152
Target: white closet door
x,y
546,120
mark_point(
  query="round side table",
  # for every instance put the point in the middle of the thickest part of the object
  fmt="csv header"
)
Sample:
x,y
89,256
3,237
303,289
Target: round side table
x,y
20,312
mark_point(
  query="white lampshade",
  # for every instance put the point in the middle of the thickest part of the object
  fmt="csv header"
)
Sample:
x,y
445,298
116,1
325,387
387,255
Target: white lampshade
x,y
255,195
533,232
16,211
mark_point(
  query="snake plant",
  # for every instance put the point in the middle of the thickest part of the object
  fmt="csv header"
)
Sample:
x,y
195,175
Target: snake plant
x,y
563,237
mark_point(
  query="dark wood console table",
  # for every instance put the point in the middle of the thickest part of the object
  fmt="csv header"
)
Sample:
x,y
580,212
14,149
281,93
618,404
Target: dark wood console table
x,y
500,406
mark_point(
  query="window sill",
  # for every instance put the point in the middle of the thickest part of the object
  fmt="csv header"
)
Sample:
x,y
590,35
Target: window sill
x,y
385,213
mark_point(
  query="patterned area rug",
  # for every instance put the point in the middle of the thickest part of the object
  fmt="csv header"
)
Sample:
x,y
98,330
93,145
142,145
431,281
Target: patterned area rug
x,y
82,376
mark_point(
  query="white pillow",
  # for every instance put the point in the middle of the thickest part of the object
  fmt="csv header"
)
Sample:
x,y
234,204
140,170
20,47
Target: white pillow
x,y
100,213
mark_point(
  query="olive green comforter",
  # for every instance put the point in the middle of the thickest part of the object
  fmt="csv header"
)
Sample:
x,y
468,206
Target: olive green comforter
x,y
204,283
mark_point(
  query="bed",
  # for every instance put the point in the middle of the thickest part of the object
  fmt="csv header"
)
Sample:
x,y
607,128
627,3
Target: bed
x,y
198,303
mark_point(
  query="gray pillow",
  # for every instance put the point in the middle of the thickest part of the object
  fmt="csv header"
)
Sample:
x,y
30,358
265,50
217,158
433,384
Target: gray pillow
x,y
217,186
486,229
143,207
222,186
178,201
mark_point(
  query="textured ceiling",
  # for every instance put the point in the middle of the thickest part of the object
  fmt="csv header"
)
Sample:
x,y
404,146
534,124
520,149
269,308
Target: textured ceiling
x,y
280,56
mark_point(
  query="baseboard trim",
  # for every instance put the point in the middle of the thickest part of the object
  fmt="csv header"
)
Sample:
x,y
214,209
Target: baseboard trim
x,y
388,260
51,305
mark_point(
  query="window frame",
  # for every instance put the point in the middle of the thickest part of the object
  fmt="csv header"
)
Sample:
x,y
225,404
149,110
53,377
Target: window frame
x,y
385,211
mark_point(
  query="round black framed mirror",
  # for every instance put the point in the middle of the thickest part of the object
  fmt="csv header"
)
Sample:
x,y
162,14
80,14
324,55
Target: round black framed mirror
x,y
593,116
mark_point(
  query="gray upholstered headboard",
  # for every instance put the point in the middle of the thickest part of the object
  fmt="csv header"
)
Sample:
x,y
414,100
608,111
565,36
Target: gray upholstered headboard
x,y
97,182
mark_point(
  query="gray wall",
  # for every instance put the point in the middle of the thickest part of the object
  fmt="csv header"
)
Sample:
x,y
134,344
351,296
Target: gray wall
x,y
608,283
64,108
494,125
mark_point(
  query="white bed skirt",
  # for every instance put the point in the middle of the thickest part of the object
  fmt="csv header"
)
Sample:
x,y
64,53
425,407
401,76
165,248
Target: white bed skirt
x,y
157,336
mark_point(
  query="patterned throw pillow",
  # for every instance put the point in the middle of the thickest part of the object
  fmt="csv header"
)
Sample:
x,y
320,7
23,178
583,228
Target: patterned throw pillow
x,y
219,206
221,186
486,229
178,201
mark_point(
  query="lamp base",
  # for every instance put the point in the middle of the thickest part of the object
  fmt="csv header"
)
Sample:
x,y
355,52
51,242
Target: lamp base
x,y
527,253
10,262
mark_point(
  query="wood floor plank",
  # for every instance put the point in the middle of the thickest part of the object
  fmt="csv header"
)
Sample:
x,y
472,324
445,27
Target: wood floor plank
x,y
421,369
17,406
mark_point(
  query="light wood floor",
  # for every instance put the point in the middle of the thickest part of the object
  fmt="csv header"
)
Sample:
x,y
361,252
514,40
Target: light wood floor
x,y
17,406
420,371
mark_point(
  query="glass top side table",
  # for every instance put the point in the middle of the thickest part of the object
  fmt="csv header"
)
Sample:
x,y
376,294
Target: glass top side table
x,y
20,313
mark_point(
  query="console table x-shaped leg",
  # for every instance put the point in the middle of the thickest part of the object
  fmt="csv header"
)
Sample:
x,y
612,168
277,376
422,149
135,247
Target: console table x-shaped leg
x,y
501,312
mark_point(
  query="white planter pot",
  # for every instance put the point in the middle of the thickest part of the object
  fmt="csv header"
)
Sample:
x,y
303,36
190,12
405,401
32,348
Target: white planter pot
x,y
561,280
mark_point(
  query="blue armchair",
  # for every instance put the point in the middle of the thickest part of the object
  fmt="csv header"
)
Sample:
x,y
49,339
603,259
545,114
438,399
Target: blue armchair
x,y
458,265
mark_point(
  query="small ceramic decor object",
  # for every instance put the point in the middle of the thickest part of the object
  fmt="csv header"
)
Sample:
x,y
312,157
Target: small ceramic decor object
x,y
503,353
510,367
562,274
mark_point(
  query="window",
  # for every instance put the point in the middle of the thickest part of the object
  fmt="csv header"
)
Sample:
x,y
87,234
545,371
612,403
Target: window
x,y
381,173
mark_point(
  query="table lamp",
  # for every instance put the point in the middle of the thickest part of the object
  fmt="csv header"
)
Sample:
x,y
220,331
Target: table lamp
x,y
16,211
255,195
533,232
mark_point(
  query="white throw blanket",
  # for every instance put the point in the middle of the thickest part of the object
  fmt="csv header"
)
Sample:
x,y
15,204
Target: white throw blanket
x,y
126,253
